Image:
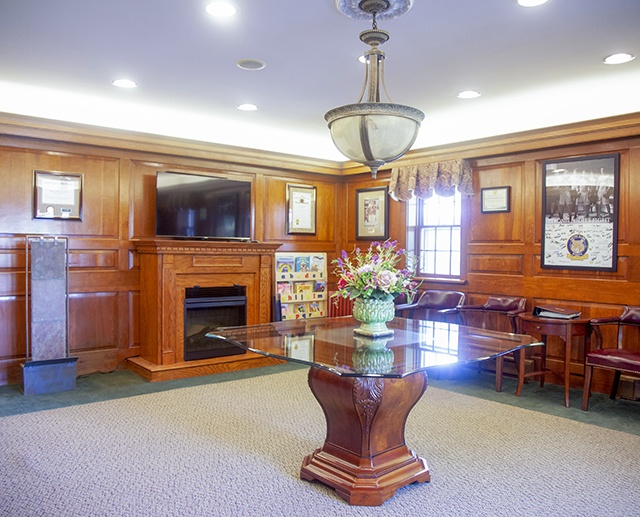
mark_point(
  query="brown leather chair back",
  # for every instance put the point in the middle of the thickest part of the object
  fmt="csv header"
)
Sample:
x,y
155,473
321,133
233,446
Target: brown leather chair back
x,y
505,304
497,313
432,305
433,299
630,316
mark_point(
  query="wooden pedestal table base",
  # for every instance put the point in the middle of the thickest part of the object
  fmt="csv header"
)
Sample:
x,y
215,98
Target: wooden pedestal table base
x,y
364,457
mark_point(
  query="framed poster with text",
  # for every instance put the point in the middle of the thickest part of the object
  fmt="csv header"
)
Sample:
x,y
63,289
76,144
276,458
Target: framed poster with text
x,y
580,213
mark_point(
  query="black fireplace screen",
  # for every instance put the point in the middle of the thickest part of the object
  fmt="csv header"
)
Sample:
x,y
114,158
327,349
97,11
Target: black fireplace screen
x,y
206,309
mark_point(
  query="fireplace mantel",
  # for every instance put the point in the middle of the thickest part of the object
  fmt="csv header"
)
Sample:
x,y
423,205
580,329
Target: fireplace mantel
x,y
167,268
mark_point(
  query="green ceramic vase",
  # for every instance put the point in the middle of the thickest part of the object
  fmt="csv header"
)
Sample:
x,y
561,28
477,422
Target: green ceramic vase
x,y
373,315
372,355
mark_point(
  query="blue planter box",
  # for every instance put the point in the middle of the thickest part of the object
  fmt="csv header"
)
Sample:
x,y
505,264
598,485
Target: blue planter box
x,y
49,376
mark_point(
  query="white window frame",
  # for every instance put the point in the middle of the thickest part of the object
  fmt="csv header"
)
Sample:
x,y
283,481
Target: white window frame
x,y
437,242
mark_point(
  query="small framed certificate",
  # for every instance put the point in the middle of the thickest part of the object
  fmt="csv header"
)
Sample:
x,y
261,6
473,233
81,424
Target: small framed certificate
x,y
299,347
57,195
496,199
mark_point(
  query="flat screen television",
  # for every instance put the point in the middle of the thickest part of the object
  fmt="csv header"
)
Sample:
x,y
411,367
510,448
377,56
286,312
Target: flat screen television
x,y
190,206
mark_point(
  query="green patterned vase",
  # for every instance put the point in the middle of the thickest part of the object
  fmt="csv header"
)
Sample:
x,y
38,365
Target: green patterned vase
x,y
373,315
372,355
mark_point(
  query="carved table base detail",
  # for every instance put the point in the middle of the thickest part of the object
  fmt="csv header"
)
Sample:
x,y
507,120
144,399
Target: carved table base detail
x,y
364,457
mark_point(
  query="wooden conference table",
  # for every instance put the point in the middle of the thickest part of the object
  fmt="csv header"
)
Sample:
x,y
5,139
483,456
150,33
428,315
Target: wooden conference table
x,y
367,388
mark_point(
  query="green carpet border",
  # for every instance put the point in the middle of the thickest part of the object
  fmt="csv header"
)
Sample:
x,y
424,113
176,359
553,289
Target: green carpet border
x,y
621,415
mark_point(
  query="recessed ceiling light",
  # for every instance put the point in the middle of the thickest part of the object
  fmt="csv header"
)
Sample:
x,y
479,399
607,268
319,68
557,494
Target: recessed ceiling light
x,y
531,3
468,94
251,64
247,107
618,59
124,83
221,9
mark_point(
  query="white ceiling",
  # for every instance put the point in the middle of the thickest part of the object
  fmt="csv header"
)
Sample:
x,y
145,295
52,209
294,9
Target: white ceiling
x,y
536,67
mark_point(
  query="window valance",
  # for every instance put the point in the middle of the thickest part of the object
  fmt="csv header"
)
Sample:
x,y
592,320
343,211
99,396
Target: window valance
x,y
425,179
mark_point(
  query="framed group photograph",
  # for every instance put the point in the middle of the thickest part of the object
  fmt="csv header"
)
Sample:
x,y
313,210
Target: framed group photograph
x,y
496,199
301,207
57,195
372,214
580,213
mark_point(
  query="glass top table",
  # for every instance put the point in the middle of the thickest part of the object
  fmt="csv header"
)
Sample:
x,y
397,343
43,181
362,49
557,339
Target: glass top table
x,y
367,388
416,345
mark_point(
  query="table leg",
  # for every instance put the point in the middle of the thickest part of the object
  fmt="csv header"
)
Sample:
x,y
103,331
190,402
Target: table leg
x,y
543,361
521,366
567,365
520,360
364,457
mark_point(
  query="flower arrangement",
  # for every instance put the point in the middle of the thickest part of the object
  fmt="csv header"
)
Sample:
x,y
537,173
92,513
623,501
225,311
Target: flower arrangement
x,y
374,275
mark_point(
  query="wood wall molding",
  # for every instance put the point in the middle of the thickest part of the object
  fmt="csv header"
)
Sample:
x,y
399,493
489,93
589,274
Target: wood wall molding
x,y
69,132
610,128
622,126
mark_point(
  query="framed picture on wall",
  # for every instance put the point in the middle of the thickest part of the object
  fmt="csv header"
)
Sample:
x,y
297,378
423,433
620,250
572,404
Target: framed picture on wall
x,y
580,213
496,199
301,207
372,214
57,195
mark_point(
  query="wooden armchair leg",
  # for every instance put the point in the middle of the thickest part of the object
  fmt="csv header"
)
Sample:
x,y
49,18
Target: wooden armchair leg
x,y
499,365
616,384
586,390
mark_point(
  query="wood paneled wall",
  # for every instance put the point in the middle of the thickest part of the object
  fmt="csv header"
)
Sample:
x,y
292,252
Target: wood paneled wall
x,y
119,208
502,251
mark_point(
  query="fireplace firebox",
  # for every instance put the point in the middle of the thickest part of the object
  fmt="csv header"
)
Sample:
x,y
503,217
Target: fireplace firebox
x,y
206,309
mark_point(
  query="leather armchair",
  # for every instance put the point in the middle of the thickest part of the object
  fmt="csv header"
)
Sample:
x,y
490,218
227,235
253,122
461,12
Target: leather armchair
x,y
617,355
496,306
432,305
497,313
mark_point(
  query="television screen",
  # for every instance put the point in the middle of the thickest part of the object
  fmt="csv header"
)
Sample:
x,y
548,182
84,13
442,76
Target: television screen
x,y
202,207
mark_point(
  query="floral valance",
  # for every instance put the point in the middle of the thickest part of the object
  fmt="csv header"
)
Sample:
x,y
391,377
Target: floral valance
x,y
425,179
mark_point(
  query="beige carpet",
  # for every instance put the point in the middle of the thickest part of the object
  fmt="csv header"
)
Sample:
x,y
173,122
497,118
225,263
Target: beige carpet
x,y
235,449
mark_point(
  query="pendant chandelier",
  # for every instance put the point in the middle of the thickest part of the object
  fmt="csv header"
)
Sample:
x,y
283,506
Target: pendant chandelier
x,y
373,132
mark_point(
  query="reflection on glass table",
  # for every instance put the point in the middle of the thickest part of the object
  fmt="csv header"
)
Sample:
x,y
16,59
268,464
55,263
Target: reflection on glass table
x,y
416,345
367,388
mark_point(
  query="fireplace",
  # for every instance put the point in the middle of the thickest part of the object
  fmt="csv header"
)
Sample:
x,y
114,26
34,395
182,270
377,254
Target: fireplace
x,y
206,309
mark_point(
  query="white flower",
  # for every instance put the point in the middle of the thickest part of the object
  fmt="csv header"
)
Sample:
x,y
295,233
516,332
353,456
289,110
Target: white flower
x,y
366,268
386,279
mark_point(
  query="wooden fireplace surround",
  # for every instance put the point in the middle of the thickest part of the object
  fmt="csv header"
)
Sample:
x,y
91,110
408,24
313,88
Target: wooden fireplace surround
x,y
167,268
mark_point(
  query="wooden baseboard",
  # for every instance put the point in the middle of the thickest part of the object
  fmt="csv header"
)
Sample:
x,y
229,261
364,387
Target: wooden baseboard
x,y
157,373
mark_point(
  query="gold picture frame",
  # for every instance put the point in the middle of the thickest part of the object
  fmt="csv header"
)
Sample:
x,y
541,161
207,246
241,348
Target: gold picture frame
x,y
301,209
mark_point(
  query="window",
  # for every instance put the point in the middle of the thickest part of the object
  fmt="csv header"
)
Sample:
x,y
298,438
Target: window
x,y
433,235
